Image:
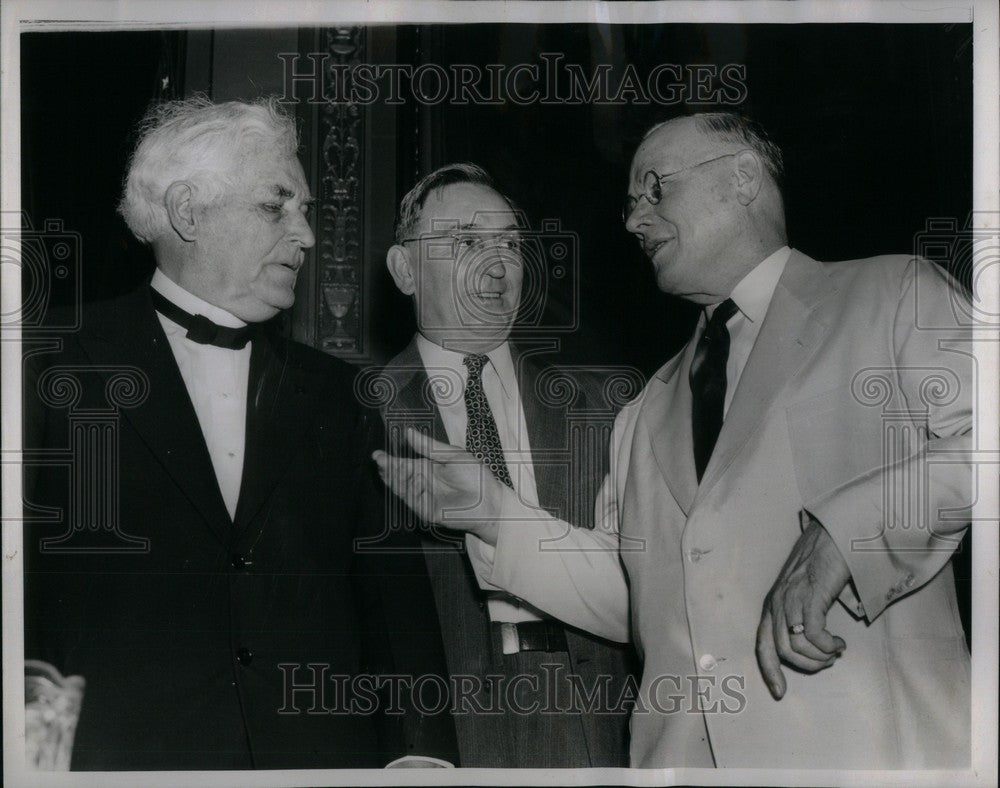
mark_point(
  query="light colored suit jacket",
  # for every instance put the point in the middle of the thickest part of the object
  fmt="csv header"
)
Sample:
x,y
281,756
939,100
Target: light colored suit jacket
x,y
855,405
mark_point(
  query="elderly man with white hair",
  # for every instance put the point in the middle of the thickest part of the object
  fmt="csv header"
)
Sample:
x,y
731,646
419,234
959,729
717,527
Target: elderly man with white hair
x,y
214,600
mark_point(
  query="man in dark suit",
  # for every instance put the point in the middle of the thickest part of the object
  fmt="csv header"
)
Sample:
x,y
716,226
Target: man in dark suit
x,y
200,569
458,253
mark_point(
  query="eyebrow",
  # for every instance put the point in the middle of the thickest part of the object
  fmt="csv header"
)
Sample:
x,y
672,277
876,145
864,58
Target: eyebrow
x,y
474,226
284,193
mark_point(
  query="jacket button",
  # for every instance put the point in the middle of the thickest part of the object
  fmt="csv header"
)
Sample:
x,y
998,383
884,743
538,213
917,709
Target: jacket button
x,y
244,656
707,662
240,563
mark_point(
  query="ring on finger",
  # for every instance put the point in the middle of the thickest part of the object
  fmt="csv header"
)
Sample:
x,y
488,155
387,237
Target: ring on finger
x,y
796,629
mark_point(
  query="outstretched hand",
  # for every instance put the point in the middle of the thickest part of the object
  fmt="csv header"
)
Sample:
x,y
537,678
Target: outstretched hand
x,y
793,625
445,484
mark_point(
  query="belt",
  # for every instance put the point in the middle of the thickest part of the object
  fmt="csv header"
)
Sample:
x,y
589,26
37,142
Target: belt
x,y
545,635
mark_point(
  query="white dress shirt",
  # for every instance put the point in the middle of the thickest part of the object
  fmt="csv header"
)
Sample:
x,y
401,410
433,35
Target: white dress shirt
x,y
448,376
216,379
752,297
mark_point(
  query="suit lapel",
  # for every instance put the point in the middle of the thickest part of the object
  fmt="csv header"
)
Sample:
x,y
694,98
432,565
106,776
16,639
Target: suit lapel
x,y
668,421
412,403
165,421
789,335
546,428
413,406
282,402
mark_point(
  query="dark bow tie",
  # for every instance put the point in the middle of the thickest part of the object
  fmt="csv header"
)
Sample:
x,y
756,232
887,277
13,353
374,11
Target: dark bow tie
x,y
202,330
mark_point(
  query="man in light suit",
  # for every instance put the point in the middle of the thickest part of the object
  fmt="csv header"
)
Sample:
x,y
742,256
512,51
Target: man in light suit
x,y
808,450
459,254
197,566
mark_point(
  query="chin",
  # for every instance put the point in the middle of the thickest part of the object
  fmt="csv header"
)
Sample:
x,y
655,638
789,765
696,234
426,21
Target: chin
x,y
258,313
665,283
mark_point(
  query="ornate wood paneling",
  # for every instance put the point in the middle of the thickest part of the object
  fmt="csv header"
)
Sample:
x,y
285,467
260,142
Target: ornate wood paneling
x,y
340,304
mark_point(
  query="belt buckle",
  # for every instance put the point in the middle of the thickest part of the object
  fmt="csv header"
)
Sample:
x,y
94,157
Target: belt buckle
x,y
510,642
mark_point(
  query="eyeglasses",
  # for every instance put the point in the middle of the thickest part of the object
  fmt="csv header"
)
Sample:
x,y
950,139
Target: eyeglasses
x,y
651,184
460,241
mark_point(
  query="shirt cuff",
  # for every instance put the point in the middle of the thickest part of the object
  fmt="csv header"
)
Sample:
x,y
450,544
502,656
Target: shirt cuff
x,y
513,514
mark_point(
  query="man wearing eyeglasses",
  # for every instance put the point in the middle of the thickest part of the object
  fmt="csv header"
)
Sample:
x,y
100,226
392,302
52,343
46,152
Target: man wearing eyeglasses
x,y
805,453
522,684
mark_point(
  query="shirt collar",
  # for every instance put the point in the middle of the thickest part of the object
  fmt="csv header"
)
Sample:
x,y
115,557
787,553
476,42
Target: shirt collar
x,y
189,302
435,356
752,295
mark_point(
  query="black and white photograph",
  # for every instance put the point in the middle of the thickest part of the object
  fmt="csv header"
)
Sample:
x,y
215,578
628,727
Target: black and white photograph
x,y
565,393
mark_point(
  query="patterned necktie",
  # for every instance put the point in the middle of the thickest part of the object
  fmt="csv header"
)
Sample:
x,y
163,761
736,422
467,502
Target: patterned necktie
x,y
708,384
481,436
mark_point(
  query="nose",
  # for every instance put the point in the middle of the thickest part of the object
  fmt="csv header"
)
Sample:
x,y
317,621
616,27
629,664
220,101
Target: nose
x,y
639,216
299,230
496,269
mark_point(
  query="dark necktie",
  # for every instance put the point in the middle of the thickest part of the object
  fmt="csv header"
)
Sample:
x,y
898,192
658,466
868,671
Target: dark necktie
x,y
481,436
202,330
708,384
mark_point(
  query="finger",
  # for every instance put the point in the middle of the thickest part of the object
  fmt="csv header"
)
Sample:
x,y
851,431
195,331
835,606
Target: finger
x,y
786,651
405,476
395,474
802,644
420,497
410,480
767,657
415,490
418,488
424,445
817,633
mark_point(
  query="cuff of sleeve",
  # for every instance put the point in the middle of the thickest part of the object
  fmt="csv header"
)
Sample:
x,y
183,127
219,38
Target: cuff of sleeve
x,y
516,521
488,562
481,556
867,557
848,597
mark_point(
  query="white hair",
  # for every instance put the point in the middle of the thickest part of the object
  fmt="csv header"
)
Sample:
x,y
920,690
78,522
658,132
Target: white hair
x,y
196,141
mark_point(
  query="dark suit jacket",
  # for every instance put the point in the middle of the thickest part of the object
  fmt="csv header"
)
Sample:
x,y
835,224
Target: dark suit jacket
x,y
568,474
206,642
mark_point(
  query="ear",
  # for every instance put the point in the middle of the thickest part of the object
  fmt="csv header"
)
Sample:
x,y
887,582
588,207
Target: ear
x,y
179,202
397,260
750,174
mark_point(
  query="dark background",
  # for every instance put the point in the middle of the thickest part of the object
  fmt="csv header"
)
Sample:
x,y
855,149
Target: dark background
x,y
875,122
